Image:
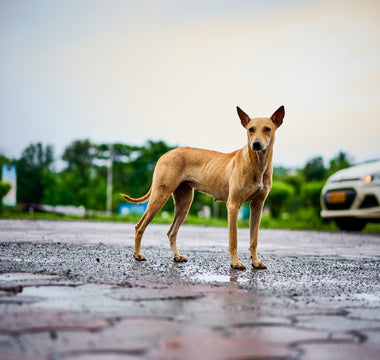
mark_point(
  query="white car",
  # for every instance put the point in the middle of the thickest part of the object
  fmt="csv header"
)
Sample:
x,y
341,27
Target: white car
x,y
351,197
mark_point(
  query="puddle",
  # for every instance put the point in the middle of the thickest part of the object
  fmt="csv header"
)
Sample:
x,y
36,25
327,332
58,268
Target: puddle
x,y
367,297
208,278
78,298
23,277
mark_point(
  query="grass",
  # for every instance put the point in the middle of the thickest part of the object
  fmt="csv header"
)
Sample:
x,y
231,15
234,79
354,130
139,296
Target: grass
x,y
306,219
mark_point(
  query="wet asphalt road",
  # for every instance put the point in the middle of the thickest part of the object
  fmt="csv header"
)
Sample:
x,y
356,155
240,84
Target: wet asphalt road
x,y
306,265
330,280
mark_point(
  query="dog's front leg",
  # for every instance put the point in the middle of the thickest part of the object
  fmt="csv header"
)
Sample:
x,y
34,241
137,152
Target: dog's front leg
x,y
256,208
233,210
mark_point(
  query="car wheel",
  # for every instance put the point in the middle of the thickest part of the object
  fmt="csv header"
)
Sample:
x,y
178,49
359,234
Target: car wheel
x,y
350,224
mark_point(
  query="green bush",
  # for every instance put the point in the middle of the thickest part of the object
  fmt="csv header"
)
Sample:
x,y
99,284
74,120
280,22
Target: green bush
x,y
4,188
279,195
311,192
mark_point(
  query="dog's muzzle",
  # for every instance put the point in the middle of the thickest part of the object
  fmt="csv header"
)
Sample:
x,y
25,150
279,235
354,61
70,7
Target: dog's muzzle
x,y
257,146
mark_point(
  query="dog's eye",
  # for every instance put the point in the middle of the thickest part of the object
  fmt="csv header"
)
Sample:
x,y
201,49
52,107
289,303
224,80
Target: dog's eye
x,y
267,129
251,130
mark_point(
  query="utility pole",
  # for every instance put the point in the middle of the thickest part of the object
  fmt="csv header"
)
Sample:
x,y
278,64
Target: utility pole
x,y
109,181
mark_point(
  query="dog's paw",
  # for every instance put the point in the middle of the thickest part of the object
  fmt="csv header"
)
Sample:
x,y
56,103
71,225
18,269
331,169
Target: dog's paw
x,y
238,265
180,258
259,265
139,257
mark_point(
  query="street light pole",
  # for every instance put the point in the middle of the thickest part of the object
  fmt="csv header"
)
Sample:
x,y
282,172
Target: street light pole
x,y
109,181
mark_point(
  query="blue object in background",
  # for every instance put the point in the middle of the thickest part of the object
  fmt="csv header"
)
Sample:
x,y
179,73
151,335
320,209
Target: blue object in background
x,y
127,208
8,174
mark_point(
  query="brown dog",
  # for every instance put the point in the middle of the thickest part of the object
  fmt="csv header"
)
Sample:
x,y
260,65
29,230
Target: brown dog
x,y
241,176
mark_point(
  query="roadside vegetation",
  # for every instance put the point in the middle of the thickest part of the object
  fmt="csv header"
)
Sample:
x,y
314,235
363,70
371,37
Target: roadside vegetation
x,y
81,181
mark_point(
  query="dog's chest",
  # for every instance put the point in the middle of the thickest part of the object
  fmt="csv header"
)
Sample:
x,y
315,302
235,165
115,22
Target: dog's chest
x,y
256,187
257,191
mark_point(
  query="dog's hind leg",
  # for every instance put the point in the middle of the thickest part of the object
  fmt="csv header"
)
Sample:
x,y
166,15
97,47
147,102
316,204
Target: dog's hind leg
x,y
157,200
183,197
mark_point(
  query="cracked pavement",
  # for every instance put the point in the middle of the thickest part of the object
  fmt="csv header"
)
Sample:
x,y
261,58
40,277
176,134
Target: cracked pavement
x,y
72,290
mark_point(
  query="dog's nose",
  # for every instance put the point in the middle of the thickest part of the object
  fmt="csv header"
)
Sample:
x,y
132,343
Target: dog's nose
x,y
256,145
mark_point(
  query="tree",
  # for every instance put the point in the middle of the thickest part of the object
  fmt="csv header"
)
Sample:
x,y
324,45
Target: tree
x,y
341,161
80,155
35,160
135,176
81,179
315,170
52,185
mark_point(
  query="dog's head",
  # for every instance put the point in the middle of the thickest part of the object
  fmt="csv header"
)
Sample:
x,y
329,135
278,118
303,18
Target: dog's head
x,y
261,130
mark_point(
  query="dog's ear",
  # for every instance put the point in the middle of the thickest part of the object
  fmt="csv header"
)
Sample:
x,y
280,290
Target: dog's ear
x,y
278,116
244,118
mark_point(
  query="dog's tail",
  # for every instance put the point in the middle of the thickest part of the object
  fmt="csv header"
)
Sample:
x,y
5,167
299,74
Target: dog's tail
x,y
138,200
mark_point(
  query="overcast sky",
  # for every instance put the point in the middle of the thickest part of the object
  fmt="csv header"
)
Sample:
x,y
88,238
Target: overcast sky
x,y
128,71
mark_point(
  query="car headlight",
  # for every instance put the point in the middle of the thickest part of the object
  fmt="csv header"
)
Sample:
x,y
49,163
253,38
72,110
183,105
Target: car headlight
x,y
370,178
367,178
